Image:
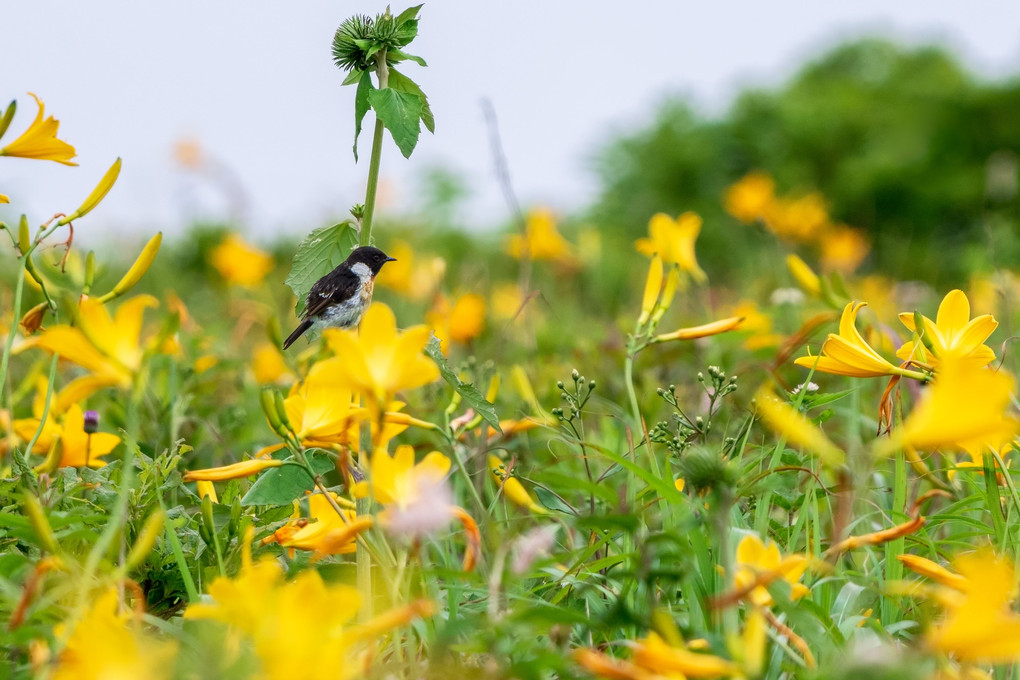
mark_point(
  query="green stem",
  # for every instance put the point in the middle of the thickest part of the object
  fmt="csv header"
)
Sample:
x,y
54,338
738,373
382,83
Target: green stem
x,y
383,73
18,291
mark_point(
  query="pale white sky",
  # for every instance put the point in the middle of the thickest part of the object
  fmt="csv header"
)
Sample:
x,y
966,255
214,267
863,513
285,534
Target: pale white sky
x,y
254,83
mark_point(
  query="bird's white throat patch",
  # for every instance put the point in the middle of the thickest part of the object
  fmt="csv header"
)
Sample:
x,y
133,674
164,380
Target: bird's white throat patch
x,y
362,270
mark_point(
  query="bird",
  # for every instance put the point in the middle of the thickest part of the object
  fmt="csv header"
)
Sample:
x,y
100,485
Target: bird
x,y
340,298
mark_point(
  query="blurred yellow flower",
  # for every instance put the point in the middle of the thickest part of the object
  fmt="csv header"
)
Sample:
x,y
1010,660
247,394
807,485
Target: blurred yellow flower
x,y
505,300
397,480
749,199
107,346
843,248
104,645
934,571
798,219
963,405
953,333
462,322
301,628
411,276
240,263
40,141
268,365
980,625
4,199
673,240
757,565
847,353
654,659
379,361
541,240
804,276
324,530
758,324
788,422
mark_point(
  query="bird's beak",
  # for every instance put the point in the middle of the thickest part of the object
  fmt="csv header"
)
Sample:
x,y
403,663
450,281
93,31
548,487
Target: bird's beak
x,y
391,259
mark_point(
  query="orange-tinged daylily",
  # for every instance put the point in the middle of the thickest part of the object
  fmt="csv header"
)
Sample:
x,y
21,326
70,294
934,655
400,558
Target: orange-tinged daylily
x,y
673,240
240,263
756,562
245,468
324,531
981,625
749,198
107,346
962,406
40,141
791,424
379,361
952,333
541,240
107,644
304,626
847,353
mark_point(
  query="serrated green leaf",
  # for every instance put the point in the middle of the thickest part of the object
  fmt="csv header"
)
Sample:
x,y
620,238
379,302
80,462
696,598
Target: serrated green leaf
x,y
395,55
399,113
467,391
324,249
401,83
361,106
282,485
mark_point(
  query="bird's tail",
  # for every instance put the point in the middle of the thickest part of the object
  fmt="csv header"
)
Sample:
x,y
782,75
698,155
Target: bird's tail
x,y
298,332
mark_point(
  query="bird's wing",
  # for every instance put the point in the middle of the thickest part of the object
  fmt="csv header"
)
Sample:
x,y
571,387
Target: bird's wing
x,y
333,288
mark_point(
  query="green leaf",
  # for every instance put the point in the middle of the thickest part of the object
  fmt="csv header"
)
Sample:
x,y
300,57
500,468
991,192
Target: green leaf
x,y
401,83
282,485
551,501
361,106
394,55
467,391
323,250
407,15
353,77
399,113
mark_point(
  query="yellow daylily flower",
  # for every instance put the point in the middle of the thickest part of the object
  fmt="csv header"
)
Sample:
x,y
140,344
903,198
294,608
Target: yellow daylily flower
x,y
324,531
245,468
936,572
847,353
107,346
107,644
77,448
512,488
758,564
843,249
461,322
40,141
240,263
963,405
303,624
379,361
673,240
749,198
397,480
541,240
952,333
791,424
268,365
320,411
981,625
798,219
654,659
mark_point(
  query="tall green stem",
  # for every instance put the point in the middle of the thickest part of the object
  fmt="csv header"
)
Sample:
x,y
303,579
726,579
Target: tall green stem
x,y
383,73
18,290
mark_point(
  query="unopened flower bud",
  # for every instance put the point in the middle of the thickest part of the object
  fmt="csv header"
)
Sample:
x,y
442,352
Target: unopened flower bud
x,y
91,422
575,375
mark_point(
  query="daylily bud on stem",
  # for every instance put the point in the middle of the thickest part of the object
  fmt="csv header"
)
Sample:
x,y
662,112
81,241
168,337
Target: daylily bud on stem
x,y
653,285
151,530
138,269
24,235
804,276
704,330
668,293
268,400
90,272
97,195
245,468
8,116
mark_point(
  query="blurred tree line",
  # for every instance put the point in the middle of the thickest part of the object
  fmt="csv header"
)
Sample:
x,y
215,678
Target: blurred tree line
x,y
903,142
